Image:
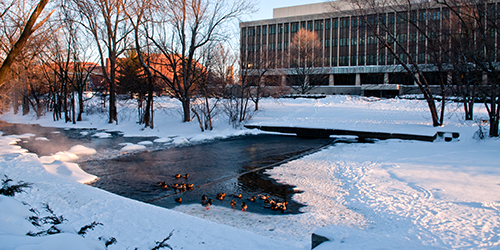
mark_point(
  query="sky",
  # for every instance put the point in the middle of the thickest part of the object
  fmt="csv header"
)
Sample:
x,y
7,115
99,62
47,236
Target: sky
x,y
266,7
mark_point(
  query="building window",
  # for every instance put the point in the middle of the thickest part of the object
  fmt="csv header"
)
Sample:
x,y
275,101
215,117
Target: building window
x,y
280,29
251,32
258,31
318,25
335,24
361,41
285,45
361,60
328,24
343,60
371,40
402,17
244,32
264,30
286,28
435,15
327,42
295,27
310,25
272,30
381,59
343,41
344,23
280,46
334,42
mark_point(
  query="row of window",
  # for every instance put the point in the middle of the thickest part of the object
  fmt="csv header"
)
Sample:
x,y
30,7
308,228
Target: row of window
x,y
372,59
348,22
369,40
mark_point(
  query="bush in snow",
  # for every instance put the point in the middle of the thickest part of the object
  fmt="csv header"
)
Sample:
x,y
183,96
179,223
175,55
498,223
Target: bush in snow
x,y
11,190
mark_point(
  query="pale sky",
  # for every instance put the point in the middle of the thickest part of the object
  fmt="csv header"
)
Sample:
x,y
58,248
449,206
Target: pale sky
x,y
266,7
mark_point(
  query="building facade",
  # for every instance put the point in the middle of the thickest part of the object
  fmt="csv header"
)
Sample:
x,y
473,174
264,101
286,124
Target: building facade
x,y
351,54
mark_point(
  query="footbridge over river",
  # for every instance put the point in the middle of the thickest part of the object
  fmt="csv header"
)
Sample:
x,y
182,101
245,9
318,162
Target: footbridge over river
x,y
362,135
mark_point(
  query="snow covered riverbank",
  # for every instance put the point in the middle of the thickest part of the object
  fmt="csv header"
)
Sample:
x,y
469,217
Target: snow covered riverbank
x,y
389,194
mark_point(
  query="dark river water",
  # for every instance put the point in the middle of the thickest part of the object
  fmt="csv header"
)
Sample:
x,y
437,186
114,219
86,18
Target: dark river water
x,y
232,166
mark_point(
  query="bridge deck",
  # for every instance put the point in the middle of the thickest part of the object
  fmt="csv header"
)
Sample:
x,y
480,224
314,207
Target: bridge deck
x,y
324,133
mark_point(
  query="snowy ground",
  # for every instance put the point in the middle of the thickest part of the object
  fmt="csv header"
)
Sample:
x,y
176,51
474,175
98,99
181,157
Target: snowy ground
x,y
389,194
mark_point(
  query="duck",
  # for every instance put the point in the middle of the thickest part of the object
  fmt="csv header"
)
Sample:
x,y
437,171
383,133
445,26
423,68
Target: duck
x,y
239,196
220,196
179,199
178,176
203,198
281,206
186,176
233,204
181,187
162,184
189,186
252,199
244,206
175,186
263,197
207,204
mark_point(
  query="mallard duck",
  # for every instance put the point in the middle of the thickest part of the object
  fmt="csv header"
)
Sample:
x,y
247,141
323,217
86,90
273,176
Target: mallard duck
x,y
239,196
189,186
220,196
252,199
182,187
162,184
203,198
233,204
263,197
186,176
179,199
207,204
178,176
244,206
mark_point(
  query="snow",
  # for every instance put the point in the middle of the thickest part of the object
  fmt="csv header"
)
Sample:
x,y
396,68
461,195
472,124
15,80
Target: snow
x,y
383,195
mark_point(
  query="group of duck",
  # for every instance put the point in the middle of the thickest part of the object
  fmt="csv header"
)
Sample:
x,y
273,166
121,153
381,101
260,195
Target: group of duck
x,y
273,204
178,187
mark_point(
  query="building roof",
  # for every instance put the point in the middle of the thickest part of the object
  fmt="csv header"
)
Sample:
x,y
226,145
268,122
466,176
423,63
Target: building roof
x,y
311,9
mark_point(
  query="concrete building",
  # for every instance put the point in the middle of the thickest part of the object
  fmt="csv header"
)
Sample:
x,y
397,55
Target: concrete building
x,y
352,58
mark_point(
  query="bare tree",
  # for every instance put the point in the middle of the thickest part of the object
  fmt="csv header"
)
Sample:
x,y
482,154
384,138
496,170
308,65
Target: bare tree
x,y
28,29
391,32
107,23
193,24
305,56
137,11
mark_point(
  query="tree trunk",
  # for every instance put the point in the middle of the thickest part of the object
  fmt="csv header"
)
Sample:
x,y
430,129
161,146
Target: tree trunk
x,y
80,106
112,96
209,113
186,109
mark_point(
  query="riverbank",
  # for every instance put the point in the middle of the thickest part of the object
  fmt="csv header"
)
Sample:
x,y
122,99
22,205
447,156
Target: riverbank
x,y
406,194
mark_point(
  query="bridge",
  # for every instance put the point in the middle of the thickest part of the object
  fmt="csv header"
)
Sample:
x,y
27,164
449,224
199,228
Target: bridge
x,y
362,135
